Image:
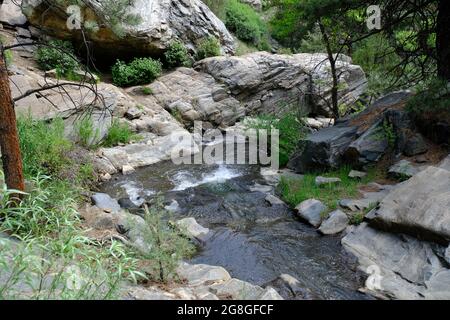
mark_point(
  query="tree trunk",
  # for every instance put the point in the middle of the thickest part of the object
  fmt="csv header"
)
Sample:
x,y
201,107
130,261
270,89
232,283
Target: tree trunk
x,y
443,39
332,60
9,139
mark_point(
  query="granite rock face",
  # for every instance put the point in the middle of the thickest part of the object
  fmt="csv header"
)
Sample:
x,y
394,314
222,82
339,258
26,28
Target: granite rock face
x,y
160,22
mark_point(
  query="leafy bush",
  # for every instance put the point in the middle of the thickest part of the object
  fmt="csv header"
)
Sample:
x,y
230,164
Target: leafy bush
x,y
291,132
57,55
43,145
209,47
118,133
245,23
54,259
139,71
433,95
177,55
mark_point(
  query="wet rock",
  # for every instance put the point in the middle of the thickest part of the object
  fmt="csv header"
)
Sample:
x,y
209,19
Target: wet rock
x,y
274,201
336,222
419,206
400,267
161,22
447,255
290,288
403,169
312,211
271,176
323,149
193,229
357,174
261,188
415,145
320,181
105,202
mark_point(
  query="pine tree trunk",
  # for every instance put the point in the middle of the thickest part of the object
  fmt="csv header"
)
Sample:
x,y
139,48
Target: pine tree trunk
x,y
9,139
443,39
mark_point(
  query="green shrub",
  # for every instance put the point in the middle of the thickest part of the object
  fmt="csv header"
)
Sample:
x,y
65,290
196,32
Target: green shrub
x,y
44,146
118,133
433,96
88,135
245,23
58,55
209,47
147,91
291,132
139,71
54,259
177,55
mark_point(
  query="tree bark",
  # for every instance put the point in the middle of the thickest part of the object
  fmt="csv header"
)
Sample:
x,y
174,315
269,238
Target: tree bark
x,y
443,39
332,60
9,139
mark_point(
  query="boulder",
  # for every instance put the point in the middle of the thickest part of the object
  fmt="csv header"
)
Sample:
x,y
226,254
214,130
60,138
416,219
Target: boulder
x,y
403,169
398,266
192,228
368,148
320,181
265,82
323,149
312,211
419,206
200,274
11,13
274,201
160,23
357,174
336,222
415,145
105,202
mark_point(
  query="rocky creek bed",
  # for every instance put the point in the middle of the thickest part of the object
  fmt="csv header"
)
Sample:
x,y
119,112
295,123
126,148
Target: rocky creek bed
x,y
253,240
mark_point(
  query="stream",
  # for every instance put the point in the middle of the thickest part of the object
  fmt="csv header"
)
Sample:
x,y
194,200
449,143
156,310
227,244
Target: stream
x,y
254,241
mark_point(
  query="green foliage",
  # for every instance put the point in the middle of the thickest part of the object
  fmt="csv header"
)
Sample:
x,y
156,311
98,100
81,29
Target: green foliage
x,y
433,95
139,71
88,135
167,245
389,133
218,7
54,259
245,23
44,146
177,55
209,47
291,132
147,91
57,55
119,133
295,191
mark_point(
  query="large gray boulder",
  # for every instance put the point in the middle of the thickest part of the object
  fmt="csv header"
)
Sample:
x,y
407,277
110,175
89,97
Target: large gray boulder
x,y
11,13
312,211
323,149
419,206
399,266
270,82
161,22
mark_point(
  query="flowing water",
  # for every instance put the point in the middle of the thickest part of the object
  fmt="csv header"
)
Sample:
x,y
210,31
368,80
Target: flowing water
x,y
253,240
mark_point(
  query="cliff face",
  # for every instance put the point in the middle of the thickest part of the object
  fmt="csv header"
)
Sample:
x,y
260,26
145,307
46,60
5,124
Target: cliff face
x,y
160,22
